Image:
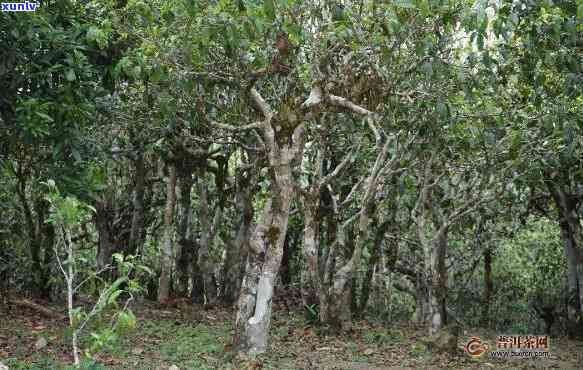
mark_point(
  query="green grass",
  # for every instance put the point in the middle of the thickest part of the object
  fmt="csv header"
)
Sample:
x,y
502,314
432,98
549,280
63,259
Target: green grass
x,y
170,342
160,342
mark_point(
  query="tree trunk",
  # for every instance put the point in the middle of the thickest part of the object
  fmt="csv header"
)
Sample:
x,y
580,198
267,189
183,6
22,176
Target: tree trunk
x,y
340,289
488,285
184,245
572,275
347,271
327,265
284,149
166,256
311,283
572,235
197,292
437,289
236,248
266,247
422,315
286,272
374,259
137,228
106,242
430,220
40,237
208,230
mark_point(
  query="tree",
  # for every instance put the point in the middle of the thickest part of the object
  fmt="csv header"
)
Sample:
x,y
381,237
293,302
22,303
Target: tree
x,y
50,85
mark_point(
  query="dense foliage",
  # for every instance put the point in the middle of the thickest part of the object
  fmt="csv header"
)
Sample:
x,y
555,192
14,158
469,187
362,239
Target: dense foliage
x,y
397,160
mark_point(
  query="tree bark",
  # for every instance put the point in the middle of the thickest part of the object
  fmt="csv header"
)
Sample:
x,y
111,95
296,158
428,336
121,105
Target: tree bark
x,y
422,315
40,238
488,285
310,277
167,247
438,282
236,248
137,228
266,245
313,288
208,231
572,235
572,275
105,242
254,314
339,289
373,261
432,293
184,246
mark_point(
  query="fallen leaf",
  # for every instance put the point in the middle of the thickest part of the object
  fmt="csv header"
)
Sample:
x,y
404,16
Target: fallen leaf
x,y
137,351
40,343
369,351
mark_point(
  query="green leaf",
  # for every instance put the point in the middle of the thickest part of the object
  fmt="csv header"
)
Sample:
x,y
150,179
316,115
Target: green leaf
x,y
118,257
427,67
145,269
480,41
45,116
442,110
70,75
113,297
136,72
269,9
76,154
405,4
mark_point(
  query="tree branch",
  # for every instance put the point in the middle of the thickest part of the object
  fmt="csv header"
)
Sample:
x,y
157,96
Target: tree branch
x,y
261,104
248,127
347,159
345,103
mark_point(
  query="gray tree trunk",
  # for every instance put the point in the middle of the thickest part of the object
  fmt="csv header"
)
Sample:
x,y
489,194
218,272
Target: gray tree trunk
x,y
184,244
236,248
105,242
339,289
311,283
283,148
167,247
422,315
209,227
437,288
263,262
137,228
373,261
572,235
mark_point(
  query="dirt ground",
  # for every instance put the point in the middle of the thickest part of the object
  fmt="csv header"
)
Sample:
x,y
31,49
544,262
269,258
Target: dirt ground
x,y
189,337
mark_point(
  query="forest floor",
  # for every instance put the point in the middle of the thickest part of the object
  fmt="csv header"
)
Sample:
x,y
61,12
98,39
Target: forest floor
x,y
192,338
